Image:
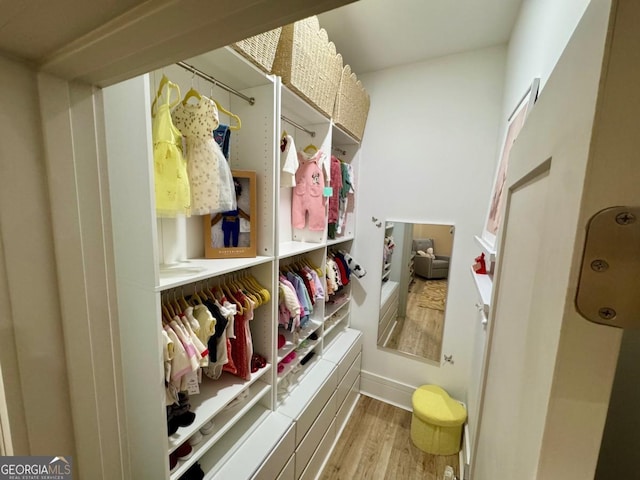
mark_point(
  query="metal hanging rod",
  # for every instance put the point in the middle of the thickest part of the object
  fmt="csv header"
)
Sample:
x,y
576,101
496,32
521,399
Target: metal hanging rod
x,y
298,126
339,150
209,78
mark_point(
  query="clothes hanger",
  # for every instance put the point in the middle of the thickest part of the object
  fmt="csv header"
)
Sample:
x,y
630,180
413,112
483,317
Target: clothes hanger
x,y
182,301
310,149
233,116
170,87
190,94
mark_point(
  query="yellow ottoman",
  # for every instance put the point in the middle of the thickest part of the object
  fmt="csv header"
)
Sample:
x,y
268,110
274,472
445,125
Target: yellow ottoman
x,y
436,424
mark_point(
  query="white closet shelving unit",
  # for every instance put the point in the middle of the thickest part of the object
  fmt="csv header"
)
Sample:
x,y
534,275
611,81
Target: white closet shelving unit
x,y
264,435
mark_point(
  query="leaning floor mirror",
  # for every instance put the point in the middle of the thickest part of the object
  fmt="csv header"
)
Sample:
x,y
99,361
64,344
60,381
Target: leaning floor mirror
x,y
415,272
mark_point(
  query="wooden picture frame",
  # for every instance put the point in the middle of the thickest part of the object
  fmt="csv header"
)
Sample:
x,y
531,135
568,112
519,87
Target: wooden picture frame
x,y
233,234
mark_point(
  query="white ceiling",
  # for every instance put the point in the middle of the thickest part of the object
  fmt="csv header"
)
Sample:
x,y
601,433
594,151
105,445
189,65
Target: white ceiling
x,y
376,34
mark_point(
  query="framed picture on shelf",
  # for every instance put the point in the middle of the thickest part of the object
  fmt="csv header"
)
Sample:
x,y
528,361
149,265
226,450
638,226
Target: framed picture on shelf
x,y
515,123
232,234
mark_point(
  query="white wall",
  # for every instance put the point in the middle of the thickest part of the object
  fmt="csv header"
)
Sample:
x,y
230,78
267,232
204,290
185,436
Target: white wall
x,y
428,156
539,36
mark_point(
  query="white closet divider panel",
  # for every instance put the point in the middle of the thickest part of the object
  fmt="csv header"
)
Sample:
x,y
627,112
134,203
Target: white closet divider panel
x,y
254,147
128,136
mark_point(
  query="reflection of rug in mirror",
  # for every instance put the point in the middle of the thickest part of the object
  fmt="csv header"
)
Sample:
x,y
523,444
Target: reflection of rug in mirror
x,y
434,294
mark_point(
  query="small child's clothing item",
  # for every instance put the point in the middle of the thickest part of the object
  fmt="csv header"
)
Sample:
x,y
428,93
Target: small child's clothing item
x,y
212,188
308,192
222,136
288,162
173,194
336,185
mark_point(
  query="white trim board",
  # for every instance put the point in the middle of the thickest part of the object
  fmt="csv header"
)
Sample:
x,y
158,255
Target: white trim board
x,y
386,390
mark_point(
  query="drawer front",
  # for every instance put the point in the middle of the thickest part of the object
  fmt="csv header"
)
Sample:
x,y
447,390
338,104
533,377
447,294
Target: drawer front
x,y
320,455
314,435
345,410
289,470
389,303
316,404
387,318
278,457
349,357
347,381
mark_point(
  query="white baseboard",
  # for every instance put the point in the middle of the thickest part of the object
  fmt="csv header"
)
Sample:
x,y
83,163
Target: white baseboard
x,y
386,390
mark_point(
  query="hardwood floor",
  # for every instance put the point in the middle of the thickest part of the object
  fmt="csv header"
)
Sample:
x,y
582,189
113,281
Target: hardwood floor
x,y
376,445
420,332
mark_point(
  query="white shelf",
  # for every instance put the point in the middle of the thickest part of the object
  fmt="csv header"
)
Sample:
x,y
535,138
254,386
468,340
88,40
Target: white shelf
x,y
229,67
296,109
332,324
295,403
291,343
386,275
484,285
331,308
487,248
198,269
341,345
246,446
336,241
342,137
224,421
389,226
213,397
300,354
290,249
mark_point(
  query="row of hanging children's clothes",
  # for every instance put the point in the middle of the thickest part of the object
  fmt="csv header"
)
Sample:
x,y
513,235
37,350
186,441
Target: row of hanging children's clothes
x,y
209,334
339,267
307,172
193,178
299,287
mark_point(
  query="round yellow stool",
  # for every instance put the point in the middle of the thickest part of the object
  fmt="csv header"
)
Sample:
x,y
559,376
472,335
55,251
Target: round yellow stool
x,y
436,424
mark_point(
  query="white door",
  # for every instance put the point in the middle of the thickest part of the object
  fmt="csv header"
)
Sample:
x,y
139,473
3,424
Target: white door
x,y
550,371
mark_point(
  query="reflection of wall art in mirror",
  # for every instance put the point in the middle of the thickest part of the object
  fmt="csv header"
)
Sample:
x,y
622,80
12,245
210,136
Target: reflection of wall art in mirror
x,y
233,234
414,288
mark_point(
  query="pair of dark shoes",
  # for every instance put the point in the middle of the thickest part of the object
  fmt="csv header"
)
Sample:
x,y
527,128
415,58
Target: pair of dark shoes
x,y
194,473
178,415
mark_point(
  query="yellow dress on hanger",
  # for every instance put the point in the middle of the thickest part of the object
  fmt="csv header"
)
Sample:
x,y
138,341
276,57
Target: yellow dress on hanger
x,y
173,194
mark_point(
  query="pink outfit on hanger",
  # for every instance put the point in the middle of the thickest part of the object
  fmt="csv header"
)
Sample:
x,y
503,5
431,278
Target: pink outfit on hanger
x,y
307,194
336,185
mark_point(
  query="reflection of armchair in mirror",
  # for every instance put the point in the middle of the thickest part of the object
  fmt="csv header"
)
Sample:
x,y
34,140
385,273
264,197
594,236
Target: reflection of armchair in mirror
x,y
414,288
428,264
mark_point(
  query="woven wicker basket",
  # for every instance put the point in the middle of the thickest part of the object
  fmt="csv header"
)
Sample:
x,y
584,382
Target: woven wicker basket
x,y
260,49
308,63
352,104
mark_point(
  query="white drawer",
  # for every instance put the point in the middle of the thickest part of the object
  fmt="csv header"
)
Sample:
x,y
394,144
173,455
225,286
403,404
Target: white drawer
x,y
345,410
315,434
278,457
289,470
317,403
321,454
349,357
347,381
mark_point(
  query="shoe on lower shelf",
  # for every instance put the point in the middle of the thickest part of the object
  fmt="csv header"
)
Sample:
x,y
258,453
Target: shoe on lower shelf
x,y
207,428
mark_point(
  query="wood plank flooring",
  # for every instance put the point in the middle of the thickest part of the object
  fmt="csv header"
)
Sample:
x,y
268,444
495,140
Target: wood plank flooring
x,y
420,332
376,445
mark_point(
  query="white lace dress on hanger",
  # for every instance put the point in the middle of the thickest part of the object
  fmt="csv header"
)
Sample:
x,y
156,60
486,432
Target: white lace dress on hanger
x,y
212,189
